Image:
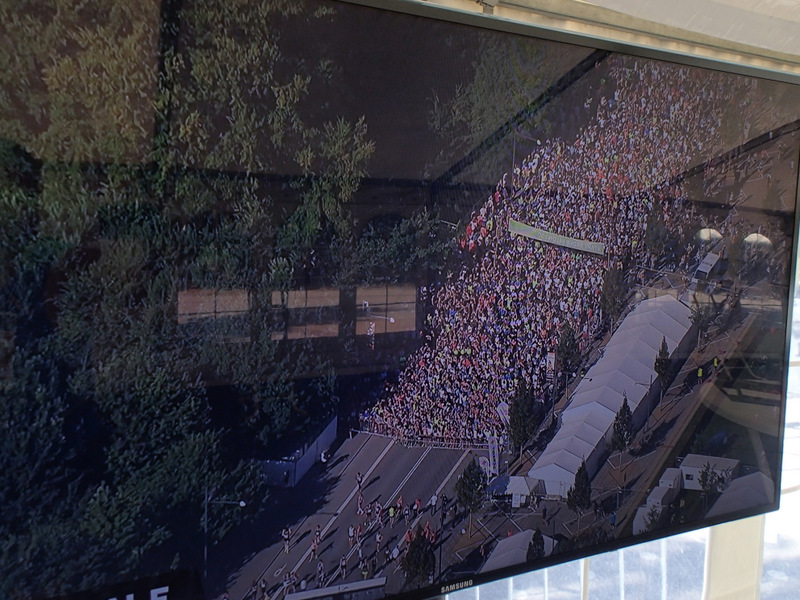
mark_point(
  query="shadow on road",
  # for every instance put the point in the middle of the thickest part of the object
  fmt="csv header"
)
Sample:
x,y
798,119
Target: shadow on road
x,y
245,541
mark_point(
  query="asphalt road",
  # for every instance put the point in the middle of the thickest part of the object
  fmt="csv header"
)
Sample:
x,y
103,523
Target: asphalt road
x,y
389,470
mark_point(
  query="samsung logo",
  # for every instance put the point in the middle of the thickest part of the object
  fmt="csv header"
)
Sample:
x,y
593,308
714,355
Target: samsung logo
x,y
454,587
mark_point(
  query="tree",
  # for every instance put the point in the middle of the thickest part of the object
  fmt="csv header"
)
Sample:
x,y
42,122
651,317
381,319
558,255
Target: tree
x,y
536,547
471,488
524,417
735,251
83,92
568,352
478,108
419,561
656,235
662,365
701,316
712,482
622,434
415,248
113,442
614,294
579,496
652,518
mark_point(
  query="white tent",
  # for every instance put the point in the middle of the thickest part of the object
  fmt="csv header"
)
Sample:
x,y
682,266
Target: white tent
x,y
626,367
513,550
632,366
749,491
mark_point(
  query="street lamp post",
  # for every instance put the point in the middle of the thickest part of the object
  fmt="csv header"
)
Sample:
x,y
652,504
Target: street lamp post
x,y
206,501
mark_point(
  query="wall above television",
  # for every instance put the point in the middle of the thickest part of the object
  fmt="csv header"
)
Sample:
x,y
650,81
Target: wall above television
x,y
378,300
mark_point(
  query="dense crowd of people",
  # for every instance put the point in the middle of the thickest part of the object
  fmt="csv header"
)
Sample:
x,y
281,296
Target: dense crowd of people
x,y
494,321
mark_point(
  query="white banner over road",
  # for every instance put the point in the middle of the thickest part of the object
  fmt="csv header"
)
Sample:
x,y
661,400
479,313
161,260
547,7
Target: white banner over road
x,y
554,238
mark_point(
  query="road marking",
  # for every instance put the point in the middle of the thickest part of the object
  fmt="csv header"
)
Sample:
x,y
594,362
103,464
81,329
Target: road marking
x,y
408,476
330,522
438,492
299,525
453,470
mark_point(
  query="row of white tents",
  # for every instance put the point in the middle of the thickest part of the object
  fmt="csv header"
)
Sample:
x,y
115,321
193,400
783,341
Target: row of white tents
x,y
626,368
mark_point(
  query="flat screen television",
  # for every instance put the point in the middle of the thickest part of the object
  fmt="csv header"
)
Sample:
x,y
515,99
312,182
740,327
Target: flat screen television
x,y
331,300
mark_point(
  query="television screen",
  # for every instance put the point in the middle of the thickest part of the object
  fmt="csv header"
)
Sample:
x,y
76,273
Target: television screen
x,y
327,300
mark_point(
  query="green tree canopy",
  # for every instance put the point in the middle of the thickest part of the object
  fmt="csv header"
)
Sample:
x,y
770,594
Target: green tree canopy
x,y
416,249
536,547
663,364
110,438
622,434
579,495
614,294
656,235
525,415
419,561
568,353
471,487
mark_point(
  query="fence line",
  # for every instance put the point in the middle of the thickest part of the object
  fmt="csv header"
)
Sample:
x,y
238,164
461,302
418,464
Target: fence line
x,y
427,441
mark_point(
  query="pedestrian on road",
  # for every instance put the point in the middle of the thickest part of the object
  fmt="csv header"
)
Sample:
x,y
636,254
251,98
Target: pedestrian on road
x,y
407,514
360,509
314,547
359,480
286,535
318,534
391,515
321,573
432,503
417,507
343,565
351,534
378,540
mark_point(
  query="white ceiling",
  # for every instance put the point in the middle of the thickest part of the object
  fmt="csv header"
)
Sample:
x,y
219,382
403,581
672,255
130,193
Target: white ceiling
x,y
769,24
759,34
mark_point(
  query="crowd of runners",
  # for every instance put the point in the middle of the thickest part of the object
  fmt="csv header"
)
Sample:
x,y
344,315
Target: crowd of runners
x,y
494,321
377,537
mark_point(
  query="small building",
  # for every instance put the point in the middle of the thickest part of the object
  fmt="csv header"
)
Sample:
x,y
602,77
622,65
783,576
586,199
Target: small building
x,y
707,265
671,478
693,465
661,496
519,490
